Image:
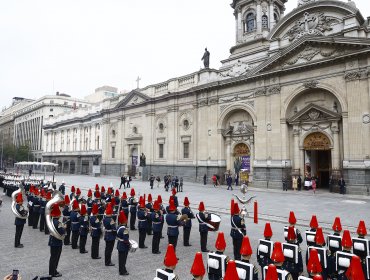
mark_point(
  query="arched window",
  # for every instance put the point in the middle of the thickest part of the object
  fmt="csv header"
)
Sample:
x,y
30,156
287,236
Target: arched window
x,y
276,17
249,22
265,23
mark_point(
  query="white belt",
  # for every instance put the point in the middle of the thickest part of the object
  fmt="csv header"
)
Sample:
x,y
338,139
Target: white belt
x,y
94,228
108,230
142,220
75,222
173,226
156,223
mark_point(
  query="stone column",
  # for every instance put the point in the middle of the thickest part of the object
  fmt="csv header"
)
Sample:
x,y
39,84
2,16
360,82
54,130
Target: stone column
x,y
296,146
239,24
259,17
252,154
228,153
271,15
302,164
335,151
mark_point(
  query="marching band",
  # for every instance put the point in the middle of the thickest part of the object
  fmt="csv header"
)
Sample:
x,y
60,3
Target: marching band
x,y
343,258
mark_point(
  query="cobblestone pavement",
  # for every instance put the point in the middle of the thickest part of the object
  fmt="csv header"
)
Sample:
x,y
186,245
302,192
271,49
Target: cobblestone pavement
x,y
274,206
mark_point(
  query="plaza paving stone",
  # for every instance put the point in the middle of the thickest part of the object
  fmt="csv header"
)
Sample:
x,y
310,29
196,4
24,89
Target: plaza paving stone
x,y
274,206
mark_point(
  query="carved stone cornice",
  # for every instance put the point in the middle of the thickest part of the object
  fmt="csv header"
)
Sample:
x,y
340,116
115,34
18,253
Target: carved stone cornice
x,y
202,102
173,109
260,91
273,90
311,84
213,100
356,75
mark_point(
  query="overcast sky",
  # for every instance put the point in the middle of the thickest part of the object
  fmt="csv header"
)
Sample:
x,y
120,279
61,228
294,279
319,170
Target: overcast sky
x,y
76,46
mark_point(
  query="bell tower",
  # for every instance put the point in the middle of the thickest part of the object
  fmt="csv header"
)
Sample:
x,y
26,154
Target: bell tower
x,y
254,19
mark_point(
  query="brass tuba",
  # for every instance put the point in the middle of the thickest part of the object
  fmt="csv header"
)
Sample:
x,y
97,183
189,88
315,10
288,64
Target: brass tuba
x,y
57,197
24,214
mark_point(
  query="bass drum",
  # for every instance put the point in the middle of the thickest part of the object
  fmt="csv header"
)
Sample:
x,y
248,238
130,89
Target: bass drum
x,y
214,223
133,246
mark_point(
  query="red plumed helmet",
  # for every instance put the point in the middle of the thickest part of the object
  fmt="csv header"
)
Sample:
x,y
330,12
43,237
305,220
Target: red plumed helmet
x,y
156,205
173,191
337,226
96,187
159,198
314,224
116,193
201,206
110,191
55,210
31,189
271,273
102,189
231,272
314,265
19,198
268,231
236,209
113,201
354,271
95,209
109,210
83,211
75,205
186,201
73,189
66,199
319,237
292,219
78,191
232,207
170,258
89,193
122,219
124,195
132,192
346,239
291,234
36,191
198,269
150,198
220,241
361,230
246,249
48,196
141,202
172,205
277,254
97,194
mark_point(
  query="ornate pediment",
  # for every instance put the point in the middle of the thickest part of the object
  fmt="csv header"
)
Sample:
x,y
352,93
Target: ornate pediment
x,y
238,69
133,98
313,113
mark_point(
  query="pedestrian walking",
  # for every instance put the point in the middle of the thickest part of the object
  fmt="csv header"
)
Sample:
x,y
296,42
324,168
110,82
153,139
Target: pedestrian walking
x,y
158,179
313,181
181,184
205,179
295,183
285,184
342,185
123,182
229,181
128,181
151,180
214,180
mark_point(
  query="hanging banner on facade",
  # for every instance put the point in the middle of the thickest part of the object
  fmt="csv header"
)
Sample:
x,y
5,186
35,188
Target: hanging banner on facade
x,y
246,163
134,160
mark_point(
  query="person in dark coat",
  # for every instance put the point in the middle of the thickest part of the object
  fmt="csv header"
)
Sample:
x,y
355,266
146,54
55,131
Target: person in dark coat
x,y
299,183
173,224
123,182
123,243
84,228
203,218
342,185
187,225
109,235
238,231
142,216
133,209
55,244
229,181
205,179
156,218
75,223
19,222
62,188
67,220
95,233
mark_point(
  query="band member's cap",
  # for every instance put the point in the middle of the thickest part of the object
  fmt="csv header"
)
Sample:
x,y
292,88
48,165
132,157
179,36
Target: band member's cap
x,y
89,193
48,196
291,234
271,273
150,199
246,249
55,210
277,254
201,206
170,258
292,219
102,189
354,271
142,202
172,206
75,205
186,201
94,209
319,237
19,198
122,219
231,273
346,239
97,194
236,209
109,210
116,193
66,199
124,195
78,191
337,226
132,192
314,224
110,191
159,198
173,191
198,268
96,187
220,241
156,205
73,189
314,265
83,211
268,231
232,207
361,230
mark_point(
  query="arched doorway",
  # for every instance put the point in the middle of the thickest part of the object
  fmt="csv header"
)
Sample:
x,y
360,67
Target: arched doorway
x,y
72,167
317,158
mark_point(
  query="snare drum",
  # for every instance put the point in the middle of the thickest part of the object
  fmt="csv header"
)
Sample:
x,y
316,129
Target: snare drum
x,y
133,246
214,223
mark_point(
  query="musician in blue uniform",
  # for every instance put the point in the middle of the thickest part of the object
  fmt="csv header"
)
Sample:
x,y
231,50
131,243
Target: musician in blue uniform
x,y
290,265
123,243
124,204
19,222
36,208
162,211
156,218
187,225
213,272
133,209
175,197
238,231
246,254
173,223
362,232
292,222
84,228
142,216
117,202
67,220
170,261
102,193
48,198
263,259
337,228
203,218
313,265
75,223
347,247
320,243
42,210
72,195
109,234
89,202
278,259
55,244
95,233
149,209
30,205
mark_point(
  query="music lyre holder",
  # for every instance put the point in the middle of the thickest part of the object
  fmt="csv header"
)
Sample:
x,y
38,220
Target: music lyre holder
x,y
243,190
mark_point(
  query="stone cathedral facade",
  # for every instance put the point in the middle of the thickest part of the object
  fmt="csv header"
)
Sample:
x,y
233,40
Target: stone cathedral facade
x,y
293,97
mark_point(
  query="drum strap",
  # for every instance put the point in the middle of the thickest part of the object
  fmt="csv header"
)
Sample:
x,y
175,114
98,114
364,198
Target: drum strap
x,y
203,222
235,227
